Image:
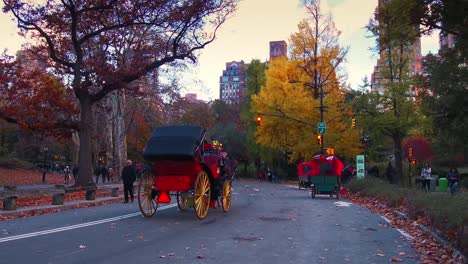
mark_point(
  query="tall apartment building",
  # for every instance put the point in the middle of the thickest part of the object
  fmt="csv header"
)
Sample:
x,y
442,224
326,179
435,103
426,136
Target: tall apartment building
x,y
278,49
447,40
232,83
378,78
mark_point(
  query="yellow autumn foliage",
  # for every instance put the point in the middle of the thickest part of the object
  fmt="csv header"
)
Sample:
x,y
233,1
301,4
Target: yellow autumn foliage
x,y
290,115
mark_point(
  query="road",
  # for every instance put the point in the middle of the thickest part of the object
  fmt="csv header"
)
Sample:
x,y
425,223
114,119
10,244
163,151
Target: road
x,y
268,223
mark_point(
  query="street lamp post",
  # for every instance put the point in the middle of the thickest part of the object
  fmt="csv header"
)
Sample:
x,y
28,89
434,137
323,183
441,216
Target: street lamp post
x,y
44,149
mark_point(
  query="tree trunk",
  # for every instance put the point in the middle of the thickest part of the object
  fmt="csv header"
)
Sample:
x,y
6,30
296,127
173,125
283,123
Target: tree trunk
x,y
85,171
119,139
398,159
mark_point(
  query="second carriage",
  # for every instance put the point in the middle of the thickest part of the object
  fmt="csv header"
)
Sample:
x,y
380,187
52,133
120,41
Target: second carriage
x,y
183,164
321,175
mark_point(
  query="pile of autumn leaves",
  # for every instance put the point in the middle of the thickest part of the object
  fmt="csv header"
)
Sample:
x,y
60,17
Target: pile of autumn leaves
x,y
430,250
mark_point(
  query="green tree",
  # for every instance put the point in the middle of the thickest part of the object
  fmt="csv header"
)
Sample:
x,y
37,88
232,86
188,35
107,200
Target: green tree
x,y
392,113
255,80
447,80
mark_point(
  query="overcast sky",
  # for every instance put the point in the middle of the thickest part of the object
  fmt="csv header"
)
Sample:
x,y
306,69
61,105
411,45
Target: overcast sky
x,y
257,22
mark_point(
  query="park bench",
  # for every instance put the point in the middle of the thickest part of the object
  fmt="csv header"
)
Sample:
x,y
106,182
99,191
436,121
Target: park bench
x,y
9,194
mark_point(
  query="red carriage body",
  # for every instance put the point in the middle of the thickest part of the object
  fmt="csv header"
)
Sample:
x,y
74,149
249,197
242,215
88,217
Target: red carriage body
x,y
184,164
321,174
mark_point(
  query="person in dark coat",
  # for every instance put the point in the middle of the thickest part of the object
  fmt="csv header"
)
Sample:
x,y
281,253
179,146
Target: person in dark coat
x,y
128,178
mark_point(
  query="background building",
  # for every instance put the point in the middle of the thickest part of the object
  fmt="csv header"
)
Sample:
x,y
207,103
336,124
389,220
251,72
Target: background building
x,y
379,78
232,83
278,49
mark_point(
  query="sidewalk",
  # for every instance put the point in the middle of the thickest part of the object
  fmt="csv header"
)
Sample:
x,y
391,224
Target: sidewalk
x,y
35,210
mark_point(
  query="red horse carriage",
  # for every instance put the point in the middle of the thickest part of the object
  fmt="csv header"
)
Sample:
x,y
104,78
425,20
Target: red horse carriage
x,y
184,165
322,175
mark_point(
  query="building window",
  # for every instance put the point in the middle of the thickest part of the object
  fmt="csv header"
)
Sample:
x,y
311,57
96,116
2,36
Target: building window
x,y
235,79
225,79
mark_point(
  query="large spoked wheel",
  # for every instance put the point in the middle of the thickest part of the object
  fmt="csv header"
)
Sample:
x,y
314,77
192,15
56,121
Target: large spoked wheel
x,y
147,195
202,194
182,201
226,198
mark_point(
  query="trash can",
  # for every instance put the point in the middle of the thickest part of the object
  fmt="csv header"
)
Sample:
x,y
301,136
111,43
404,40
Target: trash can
x,y
443,184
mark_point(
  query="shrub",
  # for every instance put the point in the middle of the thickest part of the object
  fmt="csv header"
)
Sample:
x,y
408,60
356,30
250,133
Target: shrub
x,y
464,180
391,194
446,212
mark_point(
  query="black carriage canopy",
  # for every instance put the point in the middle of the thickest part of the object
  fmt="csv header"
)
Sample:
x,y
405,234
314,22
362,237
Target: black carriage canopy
x,y
174,143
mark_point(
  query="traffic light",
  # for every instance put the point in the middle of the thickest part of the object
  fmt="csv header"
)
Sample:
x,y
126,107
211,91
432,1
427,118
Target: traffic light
x,y
319,139
410,153
259,120
414,162
353,122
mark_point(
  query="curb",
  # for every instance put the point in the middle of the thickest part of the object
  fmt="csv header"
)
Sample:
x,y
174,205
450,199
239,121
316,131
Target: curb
x,y
456,253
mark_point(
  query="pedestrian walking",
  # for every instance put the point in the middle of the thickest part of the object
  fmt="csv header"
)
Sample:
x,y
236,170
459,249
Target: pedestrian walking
x,y
111,174
66,172
426,175
128,178
105,174
454,180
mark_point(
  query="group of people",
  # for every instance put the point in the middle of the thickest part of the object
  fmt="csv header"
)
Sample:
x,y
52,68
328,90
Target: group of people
x,y
453,178
130,173
106,174
266,174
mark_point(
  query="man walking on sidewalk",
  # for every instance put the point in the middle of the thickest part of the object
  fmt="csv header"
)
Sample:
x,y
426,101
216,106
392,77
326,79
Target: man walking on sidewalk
x,y
128,178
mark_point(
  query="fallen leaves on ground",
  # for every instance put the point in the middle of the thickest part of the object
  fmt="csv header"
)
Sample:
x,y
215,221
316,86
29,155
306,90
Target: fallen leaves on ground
x,y
14,177
429,249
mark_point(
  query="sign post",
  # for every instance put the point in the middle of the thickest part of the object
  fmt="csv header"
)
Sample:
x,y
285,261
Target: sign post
x,y
321,127
361,166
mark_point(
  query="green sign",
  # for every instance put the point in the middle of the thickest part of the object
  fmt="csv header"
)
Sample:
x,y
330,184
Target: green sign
x,y
360,166
321,127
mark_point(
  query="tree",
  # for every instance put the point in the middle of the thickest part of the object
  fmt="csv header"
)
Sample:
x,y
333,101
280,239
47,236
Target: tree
x,y
447,80
392,113
255,80
35,99
290,115
421,149
100,47
315,49
196,113
225,113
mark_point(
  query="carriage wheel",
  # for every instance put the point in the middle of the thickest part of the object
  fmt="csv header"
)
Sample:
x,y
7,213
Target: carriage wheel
x,y
181,202
313,192
146,199
226,199
202,194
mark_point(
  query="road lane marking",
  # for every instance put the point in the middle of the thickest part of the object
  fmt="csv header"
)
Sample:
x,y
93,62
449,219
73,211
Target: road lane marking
x,y
386,219
406,235
66,228
341,203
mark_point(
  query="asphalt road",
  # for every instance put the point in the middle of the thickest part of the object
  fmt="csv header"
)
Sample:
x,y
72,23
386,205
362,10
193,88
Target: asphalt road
x,y
268,223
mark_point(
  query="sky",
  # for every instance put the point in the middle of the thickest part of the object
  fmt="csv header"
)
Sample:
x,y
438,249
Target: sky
x,y
246,36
